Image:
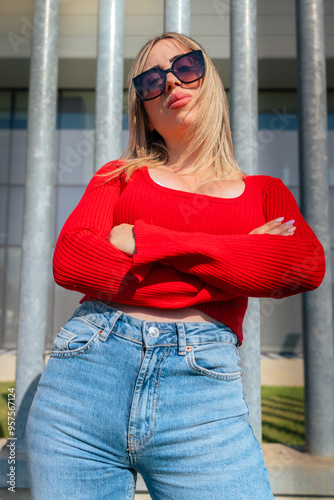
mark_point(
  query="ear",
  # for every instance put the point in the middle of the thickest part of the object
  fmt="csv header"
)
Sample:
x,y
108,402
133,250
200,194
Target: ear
x,y
150,127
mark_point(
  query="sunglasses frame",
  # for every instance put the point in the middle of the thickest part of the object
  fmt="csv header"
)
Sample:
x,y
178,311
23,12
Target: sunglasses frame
x,y
165,71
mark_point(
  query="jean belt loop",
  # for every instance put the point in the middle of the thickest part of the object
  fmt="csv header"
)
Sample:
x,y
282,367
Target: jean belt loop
x,y
181,339
110,325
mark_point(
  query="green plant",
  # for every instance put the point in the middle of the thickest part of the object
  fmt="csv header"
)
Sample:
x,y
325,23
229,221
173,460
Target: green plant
x,y
283,418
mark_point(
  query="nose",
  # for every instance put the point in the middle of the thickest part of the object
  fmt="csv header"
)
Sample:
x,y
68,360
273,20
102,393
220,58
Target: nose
x,y
171,81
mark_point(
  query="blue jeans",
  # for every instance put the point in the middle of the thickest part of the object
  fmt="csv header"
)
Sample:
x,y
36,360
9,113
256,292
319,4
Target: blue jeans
x,y
120,395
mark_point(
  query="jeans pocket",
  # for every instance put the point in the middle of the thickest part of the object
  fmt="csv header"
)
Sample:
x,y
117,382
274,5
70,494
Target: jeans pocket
x,y
76,337
215,359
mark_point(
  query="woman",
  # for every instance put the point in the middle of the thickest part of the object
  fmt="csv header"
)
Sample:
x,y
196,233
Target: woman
x,y
167,245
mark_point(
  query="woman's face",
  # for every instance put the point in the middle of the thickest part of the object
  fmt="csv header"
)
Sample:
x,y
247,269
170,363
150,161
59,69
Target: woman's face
x,y
171,113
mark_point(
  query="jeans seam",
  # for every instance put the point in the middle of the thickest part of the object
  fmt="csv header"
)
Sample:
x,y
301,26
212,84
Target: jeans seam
x,y
69,354
173,344
132,445
126,337
132,492
89,320
149,436
228,377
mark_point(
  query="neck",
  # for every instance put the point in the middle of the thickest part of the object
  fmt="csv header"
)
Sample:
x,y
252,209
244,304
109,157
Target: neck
x,y
177,164
176,152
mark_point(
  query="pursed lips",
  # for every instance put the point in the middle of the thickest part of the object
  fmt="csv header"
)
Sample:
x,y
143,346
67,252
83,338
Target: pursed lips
x,y
178,100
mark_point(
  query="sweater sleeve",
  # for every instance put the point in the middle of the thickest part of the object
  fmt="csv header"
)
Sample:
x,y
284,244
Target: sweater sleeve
x,y
252,265
83,259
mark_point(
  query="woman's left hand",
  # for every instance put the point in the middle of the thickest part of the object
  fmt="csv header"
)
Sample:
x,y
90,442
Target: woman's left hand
x,y
123,238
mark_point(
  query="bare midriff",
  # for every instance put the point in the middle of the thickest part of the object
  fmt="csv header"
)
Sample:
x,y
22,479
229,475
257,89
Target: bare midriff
x,y
152,314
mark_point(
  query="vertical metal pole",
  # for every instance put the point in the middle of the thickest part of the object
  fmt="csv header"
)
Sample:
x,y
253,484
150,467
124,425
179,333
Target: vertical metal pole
x,y
313,164
244,126
36,243
109,82
177,16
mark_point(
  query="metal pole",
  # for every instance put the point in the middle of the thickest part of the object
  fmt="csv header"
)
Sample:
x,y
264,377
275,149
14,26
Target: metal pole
x,y
36,242
244,126
177,16
109,82
313,164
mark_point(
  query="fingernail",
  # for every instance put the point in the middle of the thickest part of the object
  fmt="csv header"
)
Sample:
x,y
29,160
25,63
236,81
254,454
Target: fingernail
x,y
290,222
279,219
291,230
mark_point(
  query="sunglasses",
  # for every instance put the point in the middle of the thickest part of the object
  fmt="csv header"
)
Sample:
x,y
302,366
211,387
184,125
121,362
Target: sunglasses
x,y
187,68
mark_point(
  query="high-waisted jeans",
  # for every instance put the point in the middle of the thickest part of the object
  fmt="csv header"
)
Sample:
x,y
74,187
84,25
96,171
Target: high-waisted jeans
x,y
120,395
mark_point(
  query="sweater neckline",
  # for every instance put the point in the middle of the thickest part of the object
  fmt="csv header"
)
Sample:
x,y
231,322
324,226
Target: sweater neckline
x,y
188,194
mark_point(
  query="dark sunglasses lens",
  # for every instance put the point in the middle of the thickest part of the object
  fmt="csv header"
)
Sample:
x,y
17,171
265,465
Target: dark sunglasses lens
x,y
190,67
187,68
150,84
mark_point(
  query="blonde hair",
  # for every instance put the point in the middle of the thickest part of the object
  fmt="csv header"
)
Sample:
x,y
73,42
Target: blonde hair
x,y
209,136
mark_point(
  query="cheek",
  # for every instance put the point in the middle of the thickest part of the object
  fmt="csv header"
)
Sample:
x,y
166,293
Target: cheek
x,y
152,112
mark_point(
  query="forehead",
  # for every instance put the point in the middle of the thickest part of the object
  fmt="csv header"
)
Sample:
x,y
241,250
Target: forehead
x,y
163,51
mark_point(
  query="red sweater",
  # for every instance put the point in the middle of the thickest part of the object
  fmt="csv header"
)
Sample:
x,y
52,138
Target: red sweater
x,y
193,250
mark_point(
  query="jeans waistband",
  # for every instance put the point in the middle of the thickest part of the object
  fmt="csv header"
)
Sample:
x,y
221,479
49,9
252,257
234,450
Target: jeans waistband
x,y
154,333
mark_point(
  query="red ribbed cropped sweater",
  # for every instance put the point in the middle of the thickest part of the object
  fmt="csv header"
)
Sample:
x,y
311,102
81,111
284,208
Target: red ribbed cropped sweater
x,y
192,250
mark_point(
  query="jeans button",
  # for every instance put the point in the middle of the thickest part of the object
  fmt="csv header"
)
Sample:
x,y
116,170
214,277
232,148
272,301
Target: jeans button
x,y
153,331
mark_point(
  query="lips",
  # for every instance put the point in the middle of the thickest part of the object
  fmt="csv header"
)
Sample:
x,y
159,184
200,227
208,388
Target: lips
x,y
178,100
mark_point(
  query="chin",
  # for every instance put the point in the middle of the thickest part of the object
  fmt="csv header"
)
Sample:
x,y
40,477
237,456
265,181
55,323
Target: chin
x,y
183,121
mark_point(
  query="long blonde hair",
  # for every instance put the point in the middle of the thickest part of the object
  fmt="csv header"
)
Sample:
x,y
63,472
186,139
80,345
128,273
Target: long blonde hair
x,y
209,136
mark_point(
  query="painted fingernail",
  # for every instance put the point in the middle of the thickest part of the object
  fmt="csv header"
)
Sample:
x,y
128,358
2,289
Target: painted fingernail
x,y
279,219
291,230
290,222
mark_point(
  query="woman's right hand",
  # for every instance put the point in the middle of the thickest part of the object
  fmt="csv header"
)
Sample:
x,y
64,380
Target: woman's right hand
x,y
273,227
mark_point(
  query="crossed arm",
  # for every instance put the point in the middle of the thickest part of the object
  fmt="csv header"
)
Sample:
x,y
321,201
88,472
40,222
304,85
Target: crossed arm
x,y
183,268
85,261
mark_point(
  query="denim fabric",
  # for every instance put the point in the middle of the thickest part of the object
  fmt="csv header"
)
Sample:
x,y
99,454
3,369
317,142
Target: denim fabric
x,y
120,395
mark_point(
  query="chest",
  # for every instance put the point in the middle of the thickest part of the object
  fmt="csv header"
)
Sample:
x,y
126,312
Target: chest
x,y
180,209
219,189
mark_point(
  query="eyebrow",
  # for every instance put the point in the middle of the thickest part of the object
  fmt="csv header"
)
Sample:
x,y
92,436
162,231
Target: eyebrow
x,y
170,60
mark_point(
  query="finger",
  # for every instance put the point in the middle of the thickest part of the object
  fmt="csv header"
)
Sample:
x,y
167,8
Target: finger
x,y
283,230
275,227
287,228
291,230
268,226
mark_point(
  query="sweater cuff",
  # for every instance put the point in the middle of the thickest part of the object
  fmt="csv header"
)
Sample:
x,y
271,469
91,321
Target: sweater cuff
x,y
140,268
153,243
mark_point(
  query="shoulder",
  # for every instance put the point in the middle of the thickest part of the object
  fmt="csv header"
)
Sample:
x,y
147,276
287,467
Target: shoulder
x,y
270,189
266,182
260,179
110,167
111,170
108,175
